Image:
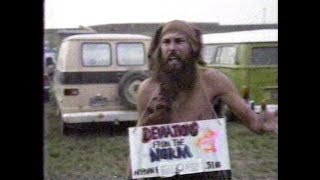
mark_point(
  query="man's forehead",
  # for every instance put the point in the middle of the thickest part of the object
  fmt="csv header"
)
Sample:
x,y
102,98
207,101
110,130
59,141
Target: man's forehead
x,y
174,34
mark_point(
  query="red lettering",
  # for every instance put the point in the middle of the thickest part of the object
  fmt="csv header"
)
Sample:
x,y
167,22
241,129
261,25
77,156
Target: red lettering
x,y
158,132
155,132
147,135
193,129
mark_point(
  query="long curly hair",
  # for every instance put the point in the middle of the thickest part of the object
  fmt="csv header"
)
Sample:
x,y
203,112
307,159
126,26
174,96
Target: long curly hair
x,y
194,39
160,107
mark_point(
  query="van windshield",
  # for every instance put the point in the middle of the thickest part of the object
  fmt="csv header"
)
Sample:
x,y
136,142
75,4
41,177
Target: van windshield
x,y
209,53
217,54
226,55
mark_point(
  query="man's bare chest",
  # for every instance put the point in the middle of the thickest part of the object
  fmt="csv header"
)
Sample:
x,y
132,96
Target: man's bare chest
x,y
193,106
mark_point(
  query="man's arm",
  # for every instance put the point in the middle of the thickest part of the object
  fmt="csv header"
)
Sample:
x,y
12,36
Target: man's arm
x,y
225,89
144,95
242,110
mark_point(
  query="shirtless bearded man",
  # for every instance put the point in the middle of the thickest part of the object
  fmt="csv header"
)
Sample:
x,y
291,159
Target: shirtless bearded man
x,y
181,90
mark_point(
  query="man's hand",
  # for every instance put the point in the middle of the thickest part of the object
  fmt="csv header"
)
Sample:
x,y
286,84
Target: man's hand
x,y
269,120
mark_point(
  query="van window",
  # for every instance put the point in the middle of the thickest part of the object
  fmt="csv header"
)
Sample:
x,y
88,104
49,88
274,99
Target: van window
x,y
226,55
96,54
209,53
265,56
130,54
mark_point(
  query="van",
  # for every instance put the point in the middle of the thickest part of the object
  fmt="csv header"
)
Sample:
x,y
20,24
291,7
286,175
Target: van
x,y
97,77
249,58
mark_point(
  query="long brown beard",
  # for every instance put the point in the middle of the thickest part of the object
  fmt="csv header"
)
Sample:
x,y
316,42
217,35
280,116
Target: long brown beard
x,y
171,83
176,81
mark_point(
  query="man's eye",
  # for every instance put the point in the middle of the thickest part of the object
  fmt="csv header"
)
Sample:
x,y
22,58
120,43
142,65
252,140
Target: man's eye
x,y
180,41
165,42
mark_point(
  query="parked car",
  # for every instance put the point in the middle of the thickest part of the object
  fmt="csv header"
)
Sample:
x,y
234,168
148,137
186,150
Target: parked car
x,y
249,58
46,89
49,60
97,77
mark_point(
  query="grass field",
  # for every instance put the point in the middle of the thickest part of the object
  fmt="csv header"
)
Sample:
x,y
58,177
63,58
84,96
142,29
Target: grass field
x,y
96,154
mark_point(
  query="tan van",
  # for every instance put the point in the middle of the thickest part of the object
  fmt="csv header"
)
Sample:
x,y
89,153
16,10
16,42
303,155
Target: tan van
x,y
97,77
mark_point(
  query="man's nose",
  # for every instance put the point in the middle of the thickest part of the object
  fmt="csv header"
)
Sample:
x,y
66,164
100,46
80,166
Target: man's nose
x,y
172,46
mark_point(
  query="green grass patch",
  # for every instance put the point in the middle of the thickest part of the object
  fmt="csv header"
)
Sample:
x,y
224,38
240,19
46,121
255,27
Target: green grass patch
x,y
97,155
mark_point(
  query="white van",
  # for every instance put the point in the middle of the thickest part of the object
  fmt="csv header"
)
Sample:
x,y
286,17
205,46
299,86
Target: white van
x,y
97,77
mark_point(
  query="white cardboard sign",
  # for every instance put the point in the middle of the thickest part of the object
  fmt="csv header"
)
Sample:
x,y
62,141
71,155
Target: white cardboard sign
x,y
180,148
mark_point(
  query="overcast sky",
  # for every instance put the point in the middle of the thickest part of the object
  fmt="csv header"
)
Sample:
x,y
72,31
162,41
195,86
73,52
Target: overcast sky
x,y
72,13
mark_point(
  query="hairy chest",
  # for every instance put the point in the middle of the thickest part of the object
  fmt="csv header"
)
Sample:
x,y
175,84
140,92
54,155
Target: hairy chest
x,y
194,106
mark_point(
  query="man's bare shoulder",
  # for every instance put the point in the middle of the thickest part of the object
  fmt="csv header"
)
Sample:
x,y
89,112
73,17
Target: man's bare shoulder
x,y
217,80
147,87
145,92
212,75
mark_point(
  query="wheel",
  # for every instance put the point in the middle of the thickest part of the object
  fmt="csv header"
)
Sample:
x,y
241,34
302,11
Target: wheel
x,y
66,129
128,87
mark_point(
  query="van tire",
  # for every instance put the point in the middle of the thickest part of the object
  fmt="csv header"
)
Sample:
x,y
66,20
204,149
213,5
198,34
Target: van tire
x,y
128,87
66,129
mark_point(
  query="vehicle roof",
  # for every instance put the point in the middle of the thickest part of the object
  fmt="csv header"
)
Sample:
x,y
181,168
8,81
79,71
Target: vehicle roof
x,y
107,36
262,35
